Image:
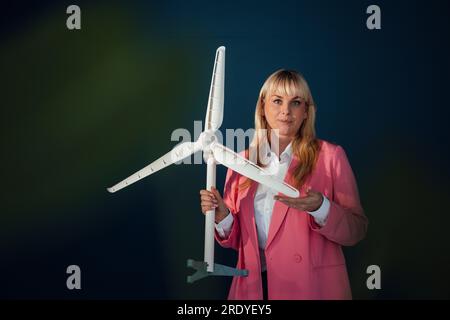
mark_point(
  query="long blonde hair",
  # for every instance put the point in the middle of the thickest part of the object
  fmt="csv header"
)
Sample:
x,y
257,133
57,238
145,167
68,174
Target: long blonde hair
x,y
305,145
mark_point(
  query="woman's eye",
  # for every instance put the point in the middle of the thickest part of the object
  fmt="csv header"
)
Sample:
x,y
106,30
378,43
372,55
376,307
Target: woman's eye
x,y
277,101
297,103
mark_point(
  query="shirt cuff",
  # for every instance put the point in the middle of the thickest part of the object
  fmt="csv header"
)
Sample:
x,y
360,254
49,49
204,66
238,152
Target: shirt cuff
x,y
321,214
224,227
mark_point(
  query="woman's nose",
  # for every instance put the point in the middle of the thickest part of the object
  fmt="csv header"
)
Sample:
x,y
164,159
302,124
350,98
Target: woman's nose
x,y
285,109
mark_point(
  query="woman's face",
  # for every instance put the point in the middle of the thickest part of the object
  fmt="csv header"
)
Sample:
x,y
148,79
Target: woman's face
x,y
285,113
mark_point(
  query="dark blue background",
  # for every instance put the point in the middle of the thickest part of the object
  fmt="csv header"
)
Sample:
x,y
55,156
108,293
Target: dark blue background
x,y
83,109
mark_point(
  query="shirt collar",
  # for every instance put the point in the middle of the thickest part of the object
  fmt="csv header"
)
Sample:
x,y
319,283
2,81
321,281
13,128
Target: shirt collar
x,y
287,153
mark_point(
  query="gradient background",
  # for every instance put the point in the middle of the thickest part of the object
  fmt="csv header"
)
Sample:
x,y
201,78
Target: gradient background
x,y
81,110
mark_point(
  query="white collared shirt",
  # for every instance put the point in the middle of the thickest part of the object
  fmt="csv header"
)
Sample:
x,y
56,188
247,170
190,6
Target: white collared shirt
x,y
264,202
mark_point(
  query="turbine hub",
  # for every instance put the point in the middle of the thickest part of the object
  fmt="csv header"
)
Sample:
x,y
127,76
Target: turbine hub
x,y
206,139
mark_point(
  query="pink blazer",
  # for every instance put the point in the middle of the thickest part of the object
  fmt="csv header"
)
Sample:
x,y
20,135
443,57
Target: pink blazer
x,y
304,260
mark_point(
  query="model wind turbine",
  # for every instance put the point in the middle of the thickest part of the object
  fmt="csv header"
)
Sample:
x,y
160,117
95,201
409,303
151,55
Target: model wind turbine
x,y
213,152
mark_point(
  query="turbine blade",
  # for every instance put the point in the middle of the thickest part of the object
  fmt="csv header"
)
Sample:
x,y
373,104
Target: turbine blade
x,y
178,153
214,111
237,163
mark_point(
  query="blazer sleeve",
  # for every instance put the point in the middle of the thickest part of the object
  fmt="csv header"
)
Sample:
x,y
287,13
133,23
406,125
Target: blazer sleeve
x,y
230,194
346,223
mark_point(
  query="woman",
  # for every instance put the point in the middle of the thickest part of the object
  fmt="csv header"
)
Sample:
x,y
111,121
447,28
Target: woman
x,y
291,246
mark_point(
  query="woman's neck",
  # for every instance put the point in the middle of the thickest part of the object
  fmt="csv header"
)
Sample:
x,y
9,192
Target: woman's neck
x,y
283,145
283,142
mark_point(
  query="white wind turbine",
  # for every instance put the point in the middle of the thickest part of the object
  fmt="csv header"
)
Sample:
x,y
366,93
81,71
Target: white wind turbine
x,y
213,153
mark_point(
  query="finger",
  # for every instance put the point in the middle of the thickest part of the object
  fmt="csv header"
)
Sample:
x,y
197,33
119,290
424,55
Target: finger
x,y
292,204
295,202
208,198
216,193
207,195
208,203
205,192
289,202
305,199
282,197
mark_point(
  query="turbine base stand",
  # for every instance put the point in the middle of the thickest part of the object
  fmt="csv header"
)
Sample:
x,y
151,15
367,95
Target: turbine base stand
x,y
219,270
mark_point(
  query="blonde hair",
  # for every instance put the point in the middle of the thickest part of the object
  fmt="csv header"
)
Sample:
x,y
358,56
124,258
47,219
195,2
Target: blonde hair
x,y
305,145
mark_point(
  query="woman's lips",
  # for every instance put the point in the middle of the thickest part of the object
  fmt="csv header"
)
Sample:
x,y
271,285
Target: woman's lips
x,y
285,121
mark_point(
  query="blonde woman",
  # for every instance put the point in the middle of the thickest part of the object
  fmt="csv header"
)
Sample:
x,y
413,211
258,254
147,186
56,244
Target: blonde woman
x,y
291,246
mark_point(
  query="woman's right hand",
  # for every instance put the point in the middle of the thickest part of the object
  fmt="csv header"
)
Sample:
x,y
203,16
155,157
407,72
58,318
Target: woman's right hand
x,y
210,200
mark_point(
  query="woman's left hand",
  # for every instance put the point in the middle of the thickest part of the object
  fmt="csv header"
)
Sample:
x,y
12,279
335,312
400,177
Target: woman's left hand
x,y
311,202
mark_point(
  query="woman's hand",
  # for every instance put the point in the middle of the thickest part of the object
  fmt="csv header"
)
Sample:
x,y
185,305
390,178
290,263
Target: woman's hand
x,y
311,202
212,200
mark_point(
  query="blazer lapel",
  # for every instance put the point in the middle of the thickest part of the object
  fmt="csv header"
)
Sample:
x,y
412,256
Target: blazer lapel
x,y
280,209
248,209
